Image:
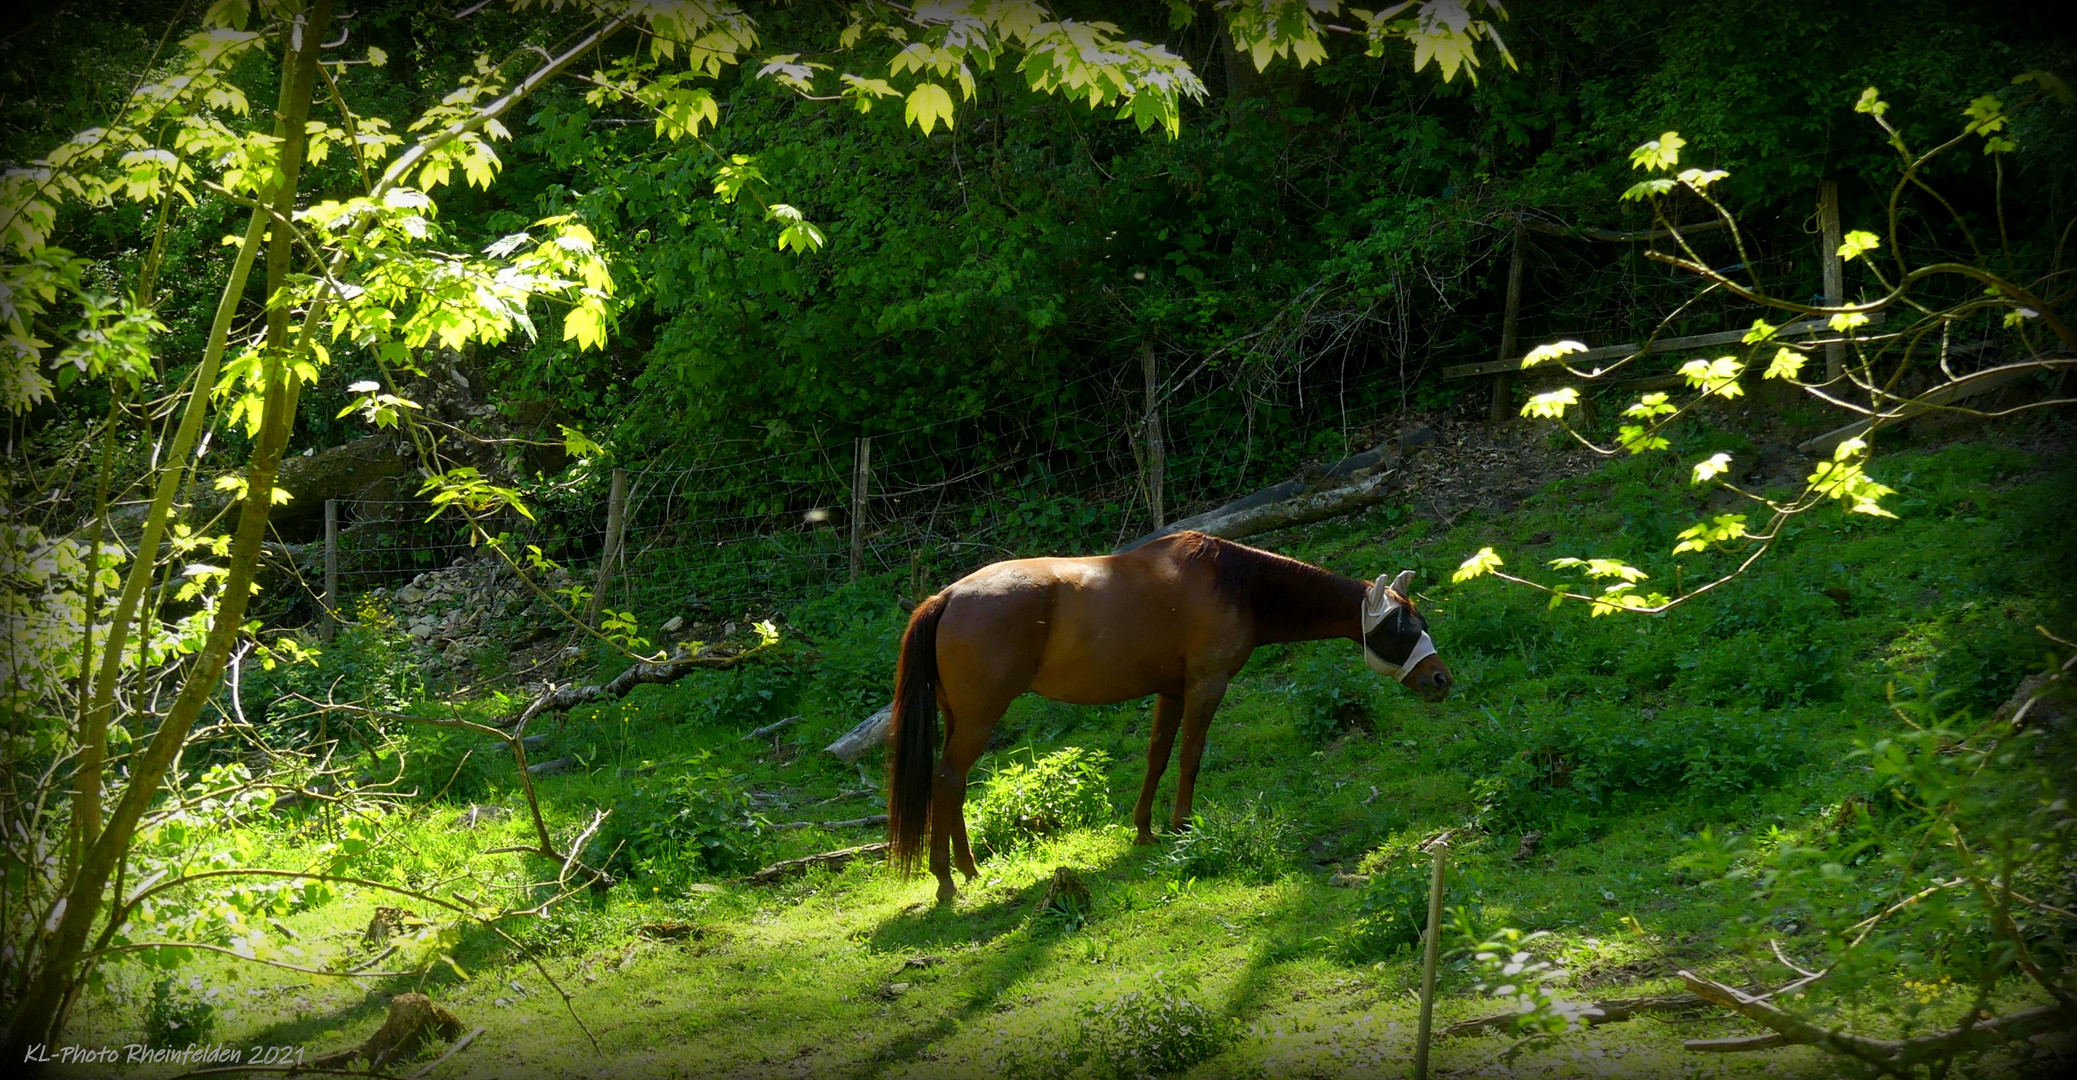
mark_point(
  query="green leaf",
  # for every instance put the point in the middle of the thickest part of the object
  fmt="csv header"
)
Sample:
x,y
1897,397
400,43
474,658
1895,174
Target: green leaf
x,y
1857,243
1551,406
1485,562
1556,350
1661,154
1716,465
928,104
1848,321
1871,102
1788,364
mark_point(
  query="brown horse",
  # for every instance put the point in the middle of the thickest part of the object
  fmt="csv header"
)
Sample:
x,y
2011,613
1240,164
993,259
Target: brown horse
x,y
1175,618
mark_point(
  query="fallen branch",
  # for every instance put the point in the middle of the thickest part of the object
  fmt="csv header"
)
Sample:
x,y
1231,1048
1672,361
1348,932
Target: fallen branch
x,y
769,729
681,662
1613,1010
854,823
1894,1056
548,768
830,860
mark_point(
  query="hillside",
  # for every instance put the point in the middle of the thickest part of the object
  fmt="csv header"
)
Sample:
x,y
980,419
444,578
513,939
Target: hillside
x,y
1593,776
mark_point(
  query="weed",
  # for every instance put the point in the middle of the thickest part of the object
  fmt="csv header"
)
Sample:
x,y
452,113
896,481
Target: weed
x,y
1392,912
1251,840
1066,789
1331,695
698,821
1158,1031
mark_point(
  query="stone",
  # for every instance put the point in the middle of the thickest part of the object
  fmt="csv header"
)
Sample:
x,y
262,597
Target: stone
x,y
676,624
410,594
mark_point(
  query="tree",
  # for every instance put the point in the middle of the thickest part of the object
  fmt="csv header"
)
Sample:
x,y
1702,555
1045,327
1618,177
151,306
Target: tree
x,y
109,617
1954,870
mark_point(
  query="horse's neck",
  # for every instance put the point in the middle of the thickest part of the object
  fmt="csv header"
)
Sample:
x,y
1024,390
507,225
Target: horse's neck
x,y
1310,608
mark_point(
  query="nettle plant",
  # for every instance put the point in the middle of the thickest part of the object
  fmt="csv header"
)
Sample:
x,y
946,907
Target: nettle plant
x,y
1890,357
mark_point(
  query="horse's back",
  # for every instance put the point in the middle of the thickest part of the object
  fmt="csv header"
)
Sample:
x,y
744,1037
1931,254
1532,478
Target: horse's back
x,y
1086,630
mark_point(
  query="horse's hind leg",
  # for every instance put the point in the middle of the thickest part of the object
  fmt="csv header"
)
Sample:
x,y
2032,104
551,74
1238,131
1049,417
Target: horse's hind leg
x,y
1199,703
965,740
1168,712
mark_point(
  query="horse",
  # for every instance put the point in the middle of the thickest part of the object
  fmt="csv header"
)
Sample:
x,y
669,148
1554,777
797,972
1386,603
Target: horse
x,y
1175,618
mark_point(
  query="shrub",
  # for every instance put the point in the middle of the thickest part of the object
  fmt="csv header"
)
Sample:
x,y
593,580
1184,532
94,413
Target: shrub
x,y
1158,1031
697,821
1331,696
1250,840
181,1013
1066,789
450,763
1392,912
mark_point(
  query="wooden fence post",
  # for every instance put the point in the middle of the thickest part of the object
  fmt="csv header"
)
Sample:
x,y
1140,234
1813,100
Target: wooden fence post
x,y
1157,455
1835,268
1431,953
330,601
861,475
616,537
1503,382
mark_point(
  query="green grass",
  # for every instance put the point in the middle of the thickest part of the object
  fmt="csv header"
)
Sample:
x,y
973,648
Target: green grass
x,y
1617,738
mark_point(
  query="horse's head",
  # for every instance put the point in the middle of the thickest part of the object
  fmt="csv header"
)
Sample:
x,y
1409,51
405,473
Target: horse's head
x,y
1396,642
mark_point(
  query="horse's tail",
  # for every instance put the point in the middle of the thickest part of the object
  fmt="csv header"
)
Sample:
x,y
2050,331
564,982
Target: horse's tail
x,y
912,735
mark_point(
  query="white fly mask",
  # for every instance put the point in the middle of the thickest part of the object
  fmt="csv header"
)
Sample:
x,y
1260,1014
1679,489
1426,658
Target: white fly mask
x,y
1395,638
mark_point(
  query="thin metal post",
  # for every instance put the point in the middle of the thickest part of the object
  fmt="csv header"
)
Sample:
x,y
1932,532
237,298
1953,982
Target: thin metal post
x,y
1503,383
861,475
1835,269
1157,454
616,535
330,601
1431,954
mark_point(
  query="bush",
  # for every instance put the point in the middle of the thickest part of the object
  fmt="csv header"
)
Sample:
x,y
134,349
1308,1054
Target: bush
x,y
699,821
1251,840
1066,789
1392,912
181,1013
1332,695
1159,1031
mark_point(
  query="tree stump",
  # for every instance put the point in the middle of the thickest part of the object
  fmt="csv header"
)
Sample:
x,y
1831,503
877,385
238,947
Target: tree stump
x,y
1065,893
413,1021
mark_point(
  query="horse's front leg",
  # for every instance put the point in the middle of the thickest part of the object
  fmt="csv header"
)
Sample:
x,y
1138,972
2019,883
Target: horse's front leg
x,y
1168,714
1200,701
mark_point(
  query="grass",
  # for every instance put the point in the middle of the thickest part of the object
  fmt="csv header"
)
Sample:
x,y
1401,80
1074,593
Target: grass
x,y
1581,730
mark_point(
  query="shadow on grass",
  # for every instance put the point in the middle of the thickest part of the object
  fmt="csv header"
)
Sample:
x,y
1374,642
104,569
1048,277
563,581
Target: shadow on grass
x,y
1010,918
477,948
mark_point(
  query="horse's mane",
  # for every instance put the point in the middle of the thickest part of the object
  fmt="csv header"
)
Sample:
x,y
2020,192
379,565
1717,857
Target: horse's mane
x,y
1287,598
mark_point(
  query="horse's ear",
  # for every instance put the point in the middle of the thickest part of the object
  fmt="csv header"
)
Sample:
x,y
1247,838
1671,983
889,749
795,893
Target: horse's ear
x,y
1403,582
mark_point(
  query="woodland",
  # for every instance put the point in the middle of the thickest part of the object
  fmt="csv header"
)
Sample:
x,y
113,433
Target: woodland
x,y
469,467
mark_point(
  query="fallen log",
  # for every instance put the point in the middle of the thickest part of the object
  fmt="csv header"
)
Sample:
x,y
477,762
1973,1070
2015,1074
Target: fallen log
x,y
859,741
550,768
1346,486
786,868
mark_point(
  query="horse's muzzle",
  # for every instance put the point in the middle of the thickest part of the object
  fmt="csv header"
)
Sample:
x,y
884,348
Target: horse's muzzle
x,y
1433,685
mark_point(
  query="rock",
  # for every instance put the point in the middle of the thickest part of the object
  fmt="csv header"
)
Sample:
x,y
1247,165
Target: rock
x,y
676,624
420,630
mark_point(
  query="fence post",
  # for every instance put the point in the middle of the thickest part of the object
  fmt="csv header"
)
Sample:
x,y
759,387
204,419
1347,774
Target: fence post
x,y
1431,953
1157,455
330,600
1503,382
861,475
616,535
1835,268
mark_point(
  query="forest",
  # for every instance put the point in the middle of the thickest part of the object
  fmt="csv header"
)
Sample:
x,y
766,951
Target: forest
x,y
496,495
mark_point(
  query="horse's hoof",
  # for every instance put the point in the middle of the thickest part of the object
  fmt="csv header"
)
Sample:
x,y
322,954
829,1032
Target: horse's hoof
x,y
946,893
1143,838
